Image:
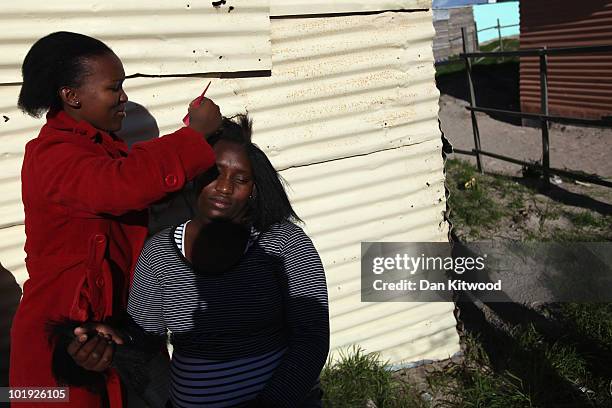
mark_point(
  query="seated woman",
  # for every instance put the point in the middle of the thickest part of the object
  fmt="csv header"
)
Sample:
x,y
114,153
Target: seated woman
x,y
240,287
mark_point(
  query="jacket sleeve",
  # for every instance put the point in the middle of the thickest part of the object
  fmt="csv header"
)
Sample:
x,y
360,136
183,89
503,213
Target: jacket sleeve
x,y
77,176
307,316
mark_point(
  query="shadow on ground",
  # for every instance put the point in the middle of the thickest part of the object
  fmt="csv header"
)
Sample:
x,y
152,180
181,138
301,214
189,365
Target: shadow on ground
x,y
564,196
495,86
531,365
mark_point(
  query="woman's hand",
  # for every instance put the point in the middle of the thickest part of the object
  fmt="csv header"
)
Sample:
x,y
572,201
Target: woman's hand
x,y
205,117
93,346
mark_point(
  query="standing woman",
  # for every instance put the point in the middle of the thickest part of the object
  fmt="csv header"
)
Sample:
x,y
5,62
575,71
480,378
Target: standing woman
x,y
85,201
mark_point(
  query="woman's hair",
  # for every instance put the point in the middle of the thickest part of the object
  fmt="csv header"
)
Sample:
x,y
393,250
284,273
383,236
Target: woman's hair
x,y
269,203
54,61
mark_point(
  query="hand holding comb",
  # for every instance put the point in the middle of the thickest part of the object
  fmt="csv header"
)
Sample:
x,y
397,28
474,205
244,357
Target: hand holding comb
x,y
196,102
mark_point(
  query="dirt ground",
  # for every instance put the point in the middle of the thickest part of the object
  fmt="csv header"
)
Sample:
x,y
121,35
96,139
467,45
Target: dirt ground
x,y
497,86
539,214
571,147
585,149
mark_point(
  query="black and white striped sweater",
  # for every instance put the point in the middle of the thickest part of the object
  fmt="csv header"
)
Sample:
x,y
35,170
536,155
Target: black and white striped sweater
x,y
260,329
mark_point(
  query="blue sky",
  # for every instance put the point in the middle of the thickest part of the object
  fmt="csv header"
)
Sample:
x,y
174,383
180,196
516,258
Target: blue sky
x,y
486,15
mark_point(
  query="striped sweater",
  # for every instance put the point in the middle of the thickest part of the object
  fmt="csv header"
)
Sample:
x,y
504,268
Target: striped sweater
x,y
260,329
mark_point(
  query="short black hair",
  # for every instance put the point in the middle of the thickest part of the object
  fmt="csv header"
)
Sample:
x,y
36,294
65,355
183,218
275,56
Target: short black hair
x,y
56,60
270,203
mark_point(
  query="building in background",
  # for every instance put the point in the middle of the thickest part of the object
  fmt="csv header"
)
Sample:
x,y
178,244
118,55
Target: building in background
x,y
344,104
449,16
579,85
478,17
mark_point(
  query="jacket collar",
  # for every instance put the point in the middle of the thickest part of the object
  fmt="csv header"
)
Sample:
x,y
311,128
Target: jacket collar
x,y
60,120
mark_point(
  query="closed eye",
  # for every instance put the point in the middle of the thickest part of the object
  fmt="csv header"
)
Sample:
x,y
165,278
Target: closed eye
x,y
117,86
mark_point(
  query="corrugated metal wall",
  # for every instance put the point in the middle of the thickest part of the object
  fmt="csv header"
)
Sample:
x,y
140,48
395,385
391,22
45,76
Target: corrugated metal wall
x,y
349,116
153,37
311,7
579,85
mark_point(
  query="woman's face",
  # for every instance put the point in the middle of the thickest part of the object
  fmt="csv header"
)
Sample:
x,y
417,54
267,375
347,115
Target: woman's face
x,y
101,97
227,188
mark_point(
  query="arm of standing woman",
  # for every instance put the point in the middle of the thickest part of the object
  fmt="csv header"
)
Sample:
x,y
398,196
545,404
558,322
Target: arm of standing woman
x,y
79,177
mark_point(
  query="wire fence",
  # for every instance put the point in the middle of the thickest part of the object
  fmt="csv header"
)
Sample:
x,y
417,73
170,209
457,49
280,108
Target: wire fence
x,y
497,27
476,44
543,117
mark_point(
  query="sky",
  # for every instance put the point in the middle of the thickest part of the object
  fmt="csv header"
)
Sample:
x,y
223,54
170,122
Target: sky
x,y
486,15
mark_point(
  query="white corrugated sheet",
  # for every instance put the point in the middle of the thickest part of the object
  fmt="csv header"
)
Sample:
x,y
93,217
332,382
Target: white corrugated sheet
x,y
339,89
309,7
153,37
349,116
391,195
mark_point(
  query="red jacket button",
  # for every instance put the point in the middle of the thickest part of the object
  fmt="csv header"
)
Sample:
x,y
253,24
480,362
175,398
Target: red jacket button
x,y
171,180
100,282
100,239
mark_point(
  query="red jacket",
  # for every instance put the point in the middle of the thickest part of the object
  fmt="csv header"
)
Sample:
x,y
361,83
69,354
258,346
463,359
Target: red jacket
x,y
85,201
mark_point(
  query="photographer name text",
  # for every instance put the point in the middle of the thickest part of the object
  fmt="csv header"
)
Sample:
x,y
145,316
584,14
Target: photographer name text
x,y
424,284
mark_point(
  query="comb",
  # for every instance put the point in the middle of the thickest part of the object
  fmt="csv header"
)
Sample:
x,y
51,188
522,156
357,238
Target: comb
x,y
197,102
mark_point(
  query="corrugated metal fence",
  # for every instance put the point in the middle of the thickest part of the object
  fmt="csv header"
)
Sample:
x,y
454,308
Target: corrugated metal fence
x,y
579,85
348,115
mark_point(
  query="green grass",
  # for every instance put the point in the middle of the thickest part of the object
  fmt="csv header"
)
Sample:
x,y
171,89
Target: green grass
x,y
474,384
593,320
469,199
455,64
522,366
483,204
587,226
533,370
525,367
473,201
529,368
357,378
588,219
510,44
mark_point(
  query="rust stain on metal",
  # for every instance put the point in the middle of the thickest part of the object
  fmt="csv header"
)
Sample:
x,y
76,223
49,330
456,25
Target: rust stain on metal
x,y
579,85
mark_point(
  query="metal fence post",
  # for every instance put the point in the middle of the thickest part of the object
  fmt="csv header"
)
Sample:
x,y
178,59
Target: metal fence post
x,y
468,70
544,109
501,43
